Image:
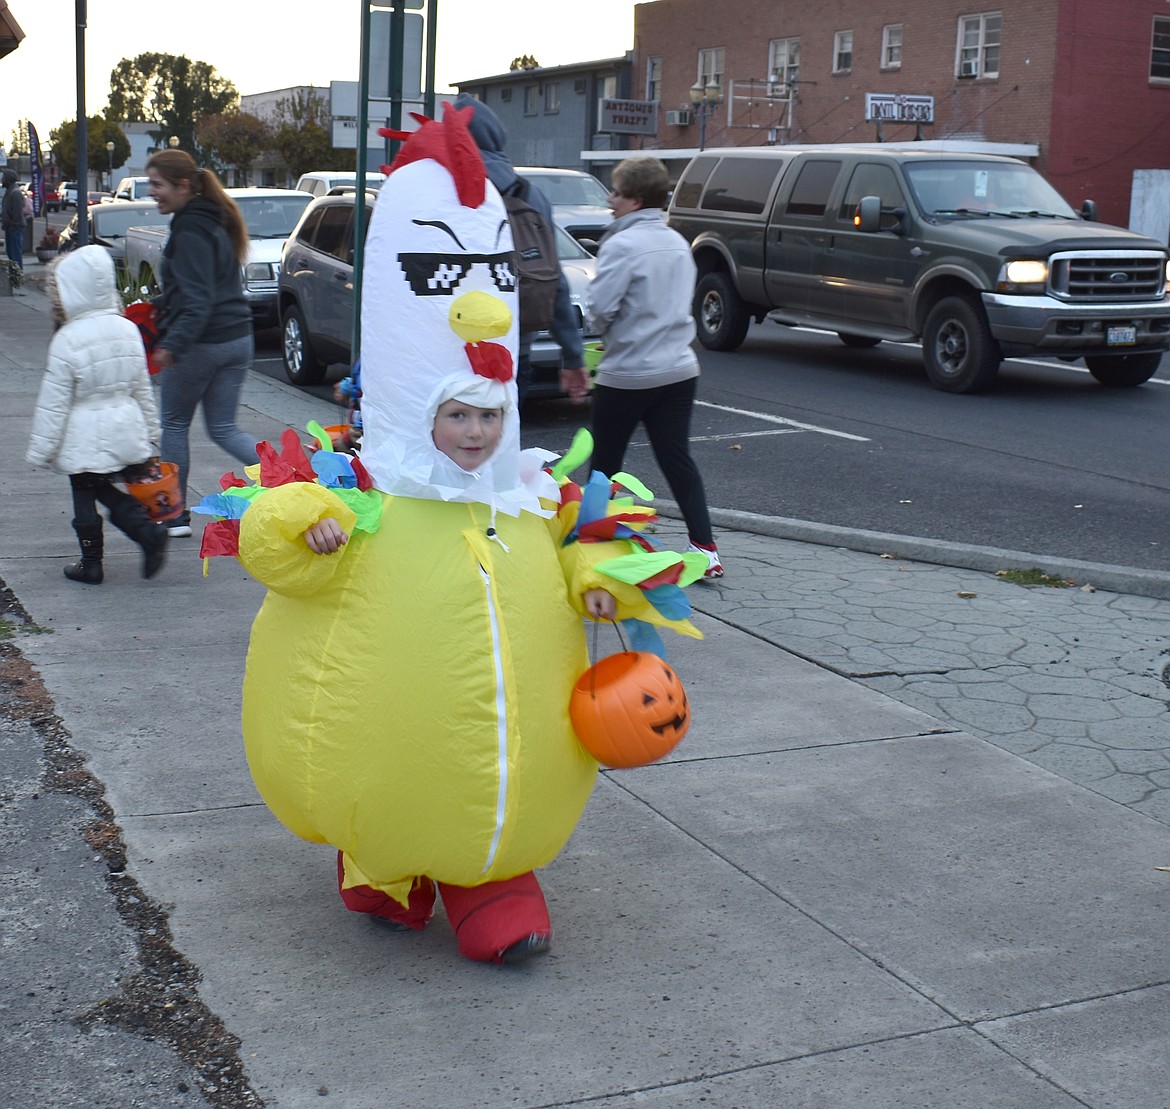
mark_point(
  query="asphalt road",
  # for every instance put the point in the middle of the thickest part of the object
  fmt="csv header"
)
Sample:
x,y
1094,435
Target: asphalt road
x,y
795,424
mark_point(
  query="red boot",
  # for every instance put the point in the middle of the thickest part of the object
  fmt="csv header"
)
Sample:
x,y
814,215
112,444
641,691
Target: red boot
x,y
499,922
382,907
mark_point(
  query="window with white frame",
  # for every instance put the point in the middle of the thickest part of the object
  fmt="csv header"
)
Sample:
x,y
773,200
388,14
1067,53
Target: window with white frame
x,y
711,66
654,78
892,46
607,86
552,97
978,49
842,51
1160,49
531,99
784,61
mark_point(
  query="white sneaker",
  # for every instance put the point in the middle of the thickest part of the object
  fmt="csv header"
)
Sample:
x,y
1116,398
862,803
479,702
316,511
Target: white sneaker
x,y
179,527
714,566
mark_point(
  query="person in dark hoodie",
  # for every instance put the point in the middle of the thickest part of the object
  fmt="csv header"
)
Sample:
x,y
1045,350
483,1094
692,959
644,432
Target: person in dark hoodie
x,y
205,346
490,137
13,218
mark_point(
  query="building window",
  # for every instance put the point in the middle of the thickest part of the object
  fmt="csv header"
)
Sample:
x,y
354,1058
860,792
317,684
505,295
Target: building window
x,y
711,66
608,87
531,96
784,61
978,51
892,46
842,51
505,95
552,97
653,78
1160,49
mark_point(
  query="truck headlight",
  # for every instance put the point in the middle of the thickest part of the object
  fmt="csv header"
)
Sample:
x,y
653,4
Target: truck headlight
x,y
1023,276
260,271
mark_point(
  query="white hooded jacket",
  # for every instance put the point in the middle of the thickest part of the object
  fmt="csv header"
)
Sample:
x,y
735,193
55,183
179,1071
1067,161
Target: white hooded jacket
x,y
95,411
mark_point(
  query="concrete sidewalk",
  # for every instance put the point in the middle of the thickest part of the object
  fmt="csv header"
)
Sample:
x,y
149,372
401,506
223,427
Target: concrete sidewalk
x,y
906,856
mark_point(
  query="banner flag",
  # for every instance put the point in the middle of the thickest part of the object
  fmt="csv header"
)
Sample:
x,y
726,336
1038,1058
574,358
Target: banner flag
x,y
38,176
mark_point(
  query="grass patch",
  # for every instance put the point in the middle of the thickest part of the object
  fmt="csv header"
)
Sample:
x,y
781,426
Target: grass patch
x,y
1034,577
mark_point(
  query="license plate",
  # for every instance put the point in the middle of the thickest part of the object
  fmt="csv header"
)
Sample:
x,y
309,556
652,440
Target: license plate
x,y
1121,336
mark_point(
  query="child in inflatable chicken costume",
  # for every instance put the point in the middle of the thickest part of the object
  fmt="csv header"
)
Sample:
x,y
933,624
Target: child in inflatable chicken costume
x,y
407,689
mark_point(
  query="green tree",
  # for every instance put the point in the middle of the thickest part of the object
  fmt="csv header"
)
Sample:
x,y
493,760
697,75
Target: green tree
x,y
100,131
170,90
233,138
304,134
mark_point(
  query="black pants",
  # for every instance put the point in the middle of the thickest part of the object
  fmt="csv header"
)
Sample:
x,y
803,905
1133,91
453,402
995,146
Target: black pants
x,y
89,489
665,412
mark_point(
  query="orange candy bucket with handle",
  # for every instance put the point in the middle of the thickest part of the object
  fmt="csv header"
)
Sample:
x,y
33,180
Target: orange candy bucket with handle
x,y
156,488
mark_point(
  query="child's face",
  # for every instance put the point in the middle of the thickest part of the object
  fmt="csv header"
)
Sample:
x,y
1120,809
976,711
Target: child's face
x,y
467,435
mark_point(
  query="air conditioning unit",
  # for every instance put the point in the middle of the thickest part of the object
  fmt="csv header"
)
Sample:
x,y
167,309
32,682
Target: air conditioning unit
x,y
969,68
680,118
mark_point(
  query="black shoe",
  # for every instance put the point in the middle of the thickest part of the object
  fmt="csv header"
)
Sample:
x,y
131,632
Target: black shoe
x,y
154,549
86,571
523,950
180,526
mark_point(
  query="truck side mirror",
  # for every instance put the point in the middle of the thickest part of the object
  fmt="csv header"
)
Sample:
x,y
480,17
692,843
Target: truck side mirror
x,y
868,216
1089,210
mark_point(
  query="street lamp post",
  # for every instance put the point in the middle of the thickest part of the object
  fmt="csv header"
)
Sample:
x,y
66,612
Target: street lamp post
x,y
173,141
704,100
110,156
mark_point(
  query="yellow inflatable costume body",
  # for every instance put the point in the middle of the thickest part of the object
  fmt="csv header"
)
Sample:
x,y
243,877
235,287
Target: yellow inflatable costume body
x,y
406,698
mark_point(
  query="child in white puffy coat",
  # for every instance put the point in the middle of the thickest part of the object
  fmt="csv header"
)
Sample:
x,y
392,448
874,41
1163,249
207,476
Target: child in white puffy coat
x,y
95,413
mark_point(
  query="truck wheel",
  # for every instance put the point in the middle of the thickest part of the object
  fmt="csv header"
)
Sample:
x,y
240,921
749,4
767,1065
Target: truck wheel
x,y
301,365
960,353
857,342
1120,371
721,317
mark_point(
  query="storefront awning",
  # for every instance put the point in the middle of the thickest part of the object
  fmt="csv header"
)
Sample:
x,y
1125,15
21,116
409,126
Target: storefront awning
x,y
10,32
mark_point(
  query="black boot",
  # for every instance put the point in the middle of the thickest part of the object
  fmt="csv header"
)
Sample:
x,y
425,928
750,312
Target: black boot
x,y
129,516
89,569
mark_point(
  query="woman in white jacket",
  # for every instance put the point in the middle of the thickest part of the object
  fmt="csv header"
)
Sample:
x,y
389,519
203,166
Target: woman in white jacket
x,y
95,412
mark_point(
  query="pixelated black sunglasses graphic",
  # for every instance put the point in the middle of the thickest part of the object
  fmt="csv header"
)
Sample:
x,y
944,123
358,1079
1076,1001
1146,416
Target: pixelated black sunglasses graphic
x,y
440,274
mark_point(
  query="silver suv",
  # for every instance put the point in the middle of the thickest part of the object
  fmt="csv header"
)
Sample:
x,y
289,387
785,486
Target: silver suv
x,y
316,295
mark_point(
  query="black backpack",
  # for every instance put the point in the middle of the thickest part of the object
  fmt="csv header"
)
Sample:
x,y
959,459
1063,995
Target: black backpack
x,y
537,270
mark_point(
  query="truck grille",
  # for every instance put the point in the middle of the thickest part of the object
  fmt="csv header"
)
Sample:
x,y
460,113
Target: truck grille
x,y
1107,276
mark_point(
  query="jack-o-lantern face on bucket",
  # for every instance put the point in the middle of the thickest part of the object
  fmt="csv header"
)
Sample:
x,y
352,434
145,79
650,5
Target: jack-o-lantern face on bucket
x,y
629,709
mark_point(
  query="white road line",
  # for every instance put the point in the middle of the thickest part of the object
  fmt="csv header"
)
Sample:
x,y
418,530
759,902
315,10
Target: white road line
x,y
781,420
1025,361
745,435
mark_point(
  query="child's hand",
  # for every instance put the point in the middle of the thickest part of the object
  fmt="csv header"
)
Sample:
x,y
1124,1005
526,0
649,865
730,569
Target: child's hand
x,y
326,536
600,604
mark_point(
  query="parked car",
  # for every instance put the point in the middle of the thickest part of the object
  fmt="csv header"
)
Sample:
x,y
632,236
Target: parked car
x,y
108,224
270,215
68,191
317,292
320,182
52,200
975,256
132,188
579,201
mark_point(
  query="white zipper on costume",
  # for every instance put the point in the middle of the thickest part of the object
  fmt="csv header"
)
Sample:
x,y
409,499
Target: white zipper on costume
x,y
501,721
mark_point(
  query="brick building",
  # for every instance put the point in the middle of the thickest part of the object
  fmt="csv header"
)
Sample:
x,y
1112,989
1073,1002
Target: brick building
x,y
1080,86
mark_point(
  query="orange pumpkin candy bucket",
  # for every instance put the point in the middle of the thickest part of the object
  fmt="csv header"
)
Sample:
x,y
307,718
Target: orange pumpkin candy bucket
x,y
629,709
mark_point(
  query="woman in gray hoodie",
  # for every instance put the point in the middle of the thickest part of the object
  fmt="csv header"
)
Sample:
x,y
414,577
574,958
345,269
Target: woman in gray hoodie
x,y
640,301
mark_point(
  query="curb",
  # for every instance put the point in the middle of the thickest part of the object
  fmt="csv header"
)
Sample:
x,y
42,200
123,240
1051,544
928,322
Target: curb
x,y
1102,576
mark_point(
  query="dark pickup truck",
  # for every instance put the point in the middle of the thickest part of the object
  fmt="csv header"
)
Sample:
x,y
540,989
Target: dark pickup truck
x,y
976,256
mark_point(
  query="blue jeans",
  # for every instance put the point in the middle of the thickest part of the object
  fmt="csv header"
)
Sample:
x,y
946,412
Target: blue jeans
x,y
14,245
211,374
